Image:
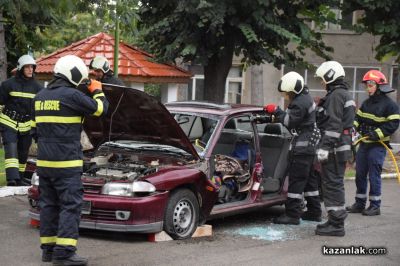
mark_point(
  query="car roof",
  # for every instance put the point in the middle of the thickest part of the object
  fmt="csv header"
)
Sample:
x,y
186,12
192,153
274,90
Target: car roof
x,y
211,108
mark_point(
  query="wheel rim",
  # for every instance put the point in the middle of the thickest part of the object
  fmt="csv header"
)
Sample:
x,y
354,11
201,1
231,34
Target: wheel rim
x,y
183,216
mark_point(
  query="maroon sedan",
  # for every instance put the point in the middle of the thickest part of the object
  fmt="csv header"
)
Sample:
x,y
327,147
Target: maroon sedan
x,y
173,167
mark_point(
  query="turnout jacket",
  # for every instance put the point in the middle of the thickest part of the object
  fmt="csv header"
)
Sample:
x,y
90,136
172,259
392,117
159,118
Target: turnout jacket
x,y
16,94
58,114
378,113
300,118
335,117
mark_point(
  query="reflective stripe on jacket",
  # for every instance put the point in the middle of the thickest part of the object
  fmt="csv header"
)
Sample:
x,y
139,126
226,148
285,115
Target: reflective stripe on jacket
x,y
299,117
16,94
58,115
335,116
378,113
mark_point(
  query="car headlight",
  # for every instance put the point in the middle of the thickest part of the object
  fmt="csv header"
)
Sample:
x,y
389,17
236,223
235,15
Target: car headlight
x,y
35,179
127,189
140,186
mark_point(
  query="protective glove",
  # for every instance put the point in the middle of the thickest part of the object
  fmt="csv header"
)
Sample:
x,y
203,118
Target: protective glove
x,y
372,135
322,155
94,86
270,108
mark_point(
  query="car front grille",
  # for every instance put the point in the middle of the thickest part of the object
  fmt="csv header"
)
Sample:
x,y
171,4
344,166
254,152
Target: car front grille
x,y
101,214
92,188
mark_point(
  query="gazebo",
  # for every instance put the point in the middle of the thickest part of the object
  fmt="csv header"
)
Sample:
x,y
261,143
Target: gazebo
x,y
135,67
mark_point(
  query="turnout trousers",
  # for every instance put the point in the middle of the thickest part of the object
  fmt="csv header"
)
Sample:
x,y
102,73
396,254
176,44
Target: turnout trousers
x,y
60,209
332,184
302,179
16,149
369,162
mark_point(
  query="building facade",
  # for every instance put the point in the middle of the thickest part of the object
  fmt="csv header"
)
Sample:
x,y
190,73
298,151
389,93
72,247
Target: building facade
x,y
258,84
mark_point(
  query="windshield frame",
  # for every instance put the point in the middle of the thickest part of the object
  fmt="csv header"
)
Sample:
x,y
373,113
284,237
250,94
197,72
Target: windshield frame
x,y
214,117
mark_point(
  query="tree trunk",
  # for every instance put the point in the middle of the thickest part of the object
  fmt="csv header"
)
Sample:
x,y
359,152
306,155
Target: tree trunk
x,y
215,74
3,52
257,88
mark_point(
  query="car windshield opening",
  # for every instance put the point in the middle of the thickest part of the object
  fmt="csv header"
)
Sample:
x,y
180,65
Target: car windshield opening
x,y
198,128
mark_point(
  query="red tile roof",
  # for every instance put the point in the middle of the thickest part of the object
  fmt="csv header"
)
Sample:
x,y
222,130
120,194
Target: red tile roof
x,y
133,63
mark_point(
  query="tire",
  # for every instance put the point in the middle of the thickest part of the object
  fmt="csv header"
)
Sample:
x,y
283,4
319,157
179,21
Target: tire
x,y
182,214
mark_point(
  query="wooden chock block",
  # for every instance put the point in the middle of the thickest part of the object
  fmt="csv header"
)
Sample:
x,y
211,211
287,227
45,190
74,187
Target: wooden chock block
x,y
159,237
204,230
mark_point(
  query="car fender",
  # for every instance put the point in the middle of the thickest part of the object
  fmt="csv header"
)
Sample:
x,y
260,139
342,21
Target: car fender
x,y
194,179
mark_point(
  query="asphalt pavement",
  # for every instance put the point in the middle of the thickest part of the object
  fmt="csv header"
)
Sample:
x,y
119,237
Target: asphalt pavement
x,y
247,239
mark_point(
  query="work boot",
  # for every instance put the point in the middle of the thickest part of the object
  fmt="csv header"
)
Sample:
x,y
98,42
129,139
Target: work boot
x,y
73,260
330,230
355,208
319,226
284,219
47,255
307,216
371,211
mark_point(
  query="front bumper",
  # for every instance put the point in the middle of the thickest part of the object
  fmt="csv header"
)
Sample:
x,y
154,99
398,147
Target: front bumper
x,y
134,228
146,213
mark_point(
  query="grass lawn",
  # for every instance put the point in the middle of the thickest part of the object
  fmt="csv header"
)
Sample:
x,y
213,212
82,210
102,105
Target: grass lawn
x,y
2,172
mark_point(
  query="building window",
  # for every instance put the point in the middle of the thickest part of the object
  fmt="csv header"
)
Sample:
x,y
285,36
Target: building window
x,y
233,86
353,78
196,88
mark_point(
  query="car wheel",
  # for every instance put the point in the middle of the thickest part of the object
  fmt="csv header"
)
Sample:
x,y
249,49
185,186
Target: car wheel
x,y
182,214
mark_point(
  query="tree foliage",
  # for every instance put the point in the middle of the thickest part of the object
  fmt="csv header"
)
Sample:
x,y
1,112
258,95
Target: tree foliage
x,y
380,18
74,28
22,19
42,26
209,32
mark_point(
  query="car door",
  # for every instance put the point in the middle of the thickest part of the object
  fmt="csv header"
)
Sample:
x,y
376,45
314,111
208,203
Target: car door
x,y
274,141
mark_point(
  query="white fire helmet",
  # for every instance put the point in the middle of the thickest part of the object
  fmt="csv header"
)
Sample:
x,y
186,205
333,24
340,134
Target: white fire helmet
x,y
291,82
25,60
330,71
72,68
100,62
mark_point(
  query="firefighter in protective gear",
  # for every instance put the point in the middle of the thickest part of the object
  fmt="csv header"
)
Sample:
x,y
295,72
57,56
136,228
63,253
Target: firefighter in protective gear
x,y
335,116
58,114
16,94
299,117
377,119
102,71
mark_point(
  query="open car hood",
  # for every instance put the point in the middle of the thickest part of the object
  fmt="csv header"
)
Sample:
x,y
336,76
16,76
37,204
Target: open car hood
x,y
135,115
